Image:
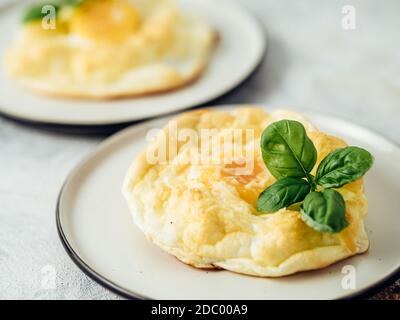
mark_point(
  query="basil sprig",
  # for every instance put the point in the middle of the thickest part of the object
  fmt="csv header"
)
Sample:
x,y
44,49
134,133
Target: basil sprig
x,y
35,13
290,155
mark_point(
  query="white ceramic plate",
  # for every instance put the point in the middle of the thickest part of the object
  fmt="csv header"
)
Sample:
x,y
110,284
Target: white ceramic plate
x,y
98,233
241,48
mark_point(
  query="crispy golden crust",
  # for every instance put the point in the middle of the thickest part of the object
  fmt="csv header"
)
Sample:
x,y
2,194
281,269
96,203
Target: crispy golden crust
x,y
205,217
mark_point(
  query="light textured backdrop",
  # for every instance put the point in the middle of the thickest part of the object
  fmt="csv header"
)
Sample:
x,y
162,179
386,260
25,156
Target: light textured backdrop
x,y
312,65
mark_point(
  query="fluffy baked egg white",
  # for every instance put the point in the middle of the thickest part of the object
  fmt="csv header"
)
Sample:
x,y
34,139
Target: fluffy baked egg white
x,y
204,213
112,48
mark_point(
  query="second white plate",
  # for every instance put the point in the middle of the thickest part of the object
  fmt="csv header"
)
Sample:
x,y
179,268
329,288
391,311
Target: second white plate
x,y
241,48
97,230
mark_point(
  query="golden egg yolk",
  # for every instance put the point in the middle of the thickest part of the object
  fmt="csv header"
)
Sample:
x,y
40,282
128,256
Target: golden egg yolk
x,y
35,29
105,20
249,195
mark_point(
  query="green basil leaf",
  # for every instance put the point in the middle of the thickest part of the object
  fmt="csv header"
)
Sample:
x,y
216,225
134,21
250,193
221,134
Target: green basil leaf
x,y
287,150
33,13
282,194
343,166
324,211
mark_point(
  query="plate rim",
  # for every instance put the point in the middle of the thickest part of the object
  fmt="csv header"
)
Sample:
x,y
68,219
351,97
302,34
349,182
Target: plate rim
x,y
37,121
129,294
